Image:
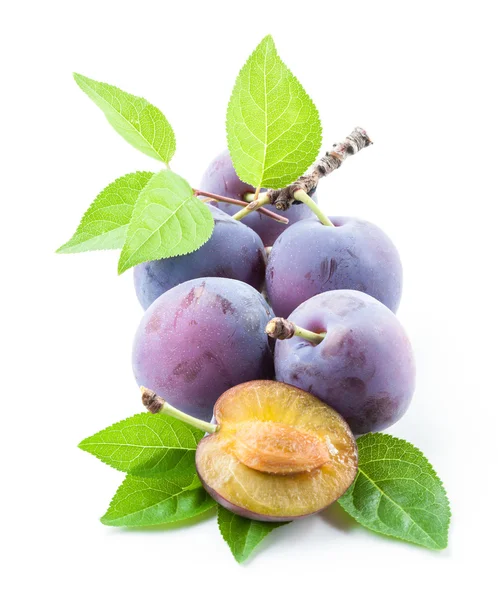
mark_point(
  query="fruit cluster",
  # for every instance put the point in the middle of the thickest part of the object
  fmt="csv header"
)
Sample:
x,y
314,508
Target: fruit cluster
x,y
268,325
331,288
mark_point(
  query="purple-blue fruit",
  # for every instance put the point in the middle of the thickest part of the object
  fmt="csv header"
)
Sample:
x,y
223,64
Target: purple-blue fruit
x,y
233,251
221,179
364,368
310,258
201,338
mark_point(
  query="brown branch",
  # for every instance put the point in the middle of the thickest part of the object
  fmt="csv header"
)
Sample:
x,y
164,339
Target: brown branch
x,y
283,198
263,211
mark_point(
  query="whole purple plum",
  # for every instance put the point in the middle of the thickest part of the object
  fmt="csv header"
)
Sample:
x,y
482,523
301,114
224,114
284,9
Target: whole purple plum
x,y
221,178
233,251
364,368
201,338
310,258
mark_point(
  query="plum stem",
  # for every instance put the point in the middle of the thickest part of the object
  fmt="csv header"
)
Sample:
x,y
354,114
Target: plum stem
x,y
256,204
283,329
303,197
155,404
263,211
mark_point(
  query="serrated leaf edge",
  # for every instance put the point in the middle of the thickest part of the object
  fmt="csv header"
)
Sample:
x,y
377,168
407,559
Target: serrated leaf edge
x,y
244,556
125,265
81,81
294,78
81,446
189,488
89,210
431,471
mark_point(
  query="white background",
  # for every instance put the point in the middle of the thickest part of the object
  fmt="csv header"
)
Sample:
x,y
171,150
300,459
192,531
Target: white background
x,y
421,78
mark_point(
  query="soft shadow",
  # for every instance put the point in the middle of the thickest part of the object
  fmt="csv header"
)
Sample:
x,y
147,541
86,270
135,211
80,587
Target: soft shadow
x,y
338,518
167,526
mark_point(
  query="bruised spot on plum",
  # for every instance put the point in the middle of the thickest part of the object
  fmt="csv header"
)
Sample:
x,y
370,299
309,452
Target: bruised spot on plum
x,y
223,372
308,275
311,371
353,385
351,253
154,323
271,272
194,294
327,269
188,370
376,413
226,305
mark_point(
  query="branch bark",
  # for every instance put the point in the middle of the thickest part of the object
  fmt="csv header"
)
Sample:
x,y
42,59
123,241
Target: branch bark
x,y
283,198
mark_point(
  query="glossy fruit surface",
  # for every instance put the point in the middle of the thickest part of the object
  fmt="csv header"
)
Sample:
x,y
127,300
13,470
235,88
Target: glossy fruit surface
x,y
310,258
201,338
364,368
221,178
233,251
279,453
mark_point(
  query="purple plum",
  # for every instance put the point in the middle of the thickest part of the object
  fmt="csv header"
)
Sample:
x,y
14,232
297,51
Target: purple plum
x,y
201,338
310,258
233,251
364,368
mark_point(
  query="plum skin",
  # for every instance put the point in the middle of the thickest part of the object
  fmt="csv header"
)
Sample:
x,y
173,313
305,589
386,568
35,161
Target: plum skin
x,y
201,338
233,251
364,368
310,258
220,178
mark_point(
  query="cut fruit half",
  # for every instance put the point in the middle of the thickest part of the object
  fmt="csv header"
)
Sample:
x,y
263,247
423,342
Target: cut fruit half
x,y
279,453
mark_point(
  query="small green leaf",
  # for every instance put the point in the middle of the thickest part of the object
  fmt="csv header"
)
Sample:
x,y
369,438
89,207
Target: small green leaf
x,y
146,445
273,128
140,123
104,225
140,502
168,220
242,535
397,493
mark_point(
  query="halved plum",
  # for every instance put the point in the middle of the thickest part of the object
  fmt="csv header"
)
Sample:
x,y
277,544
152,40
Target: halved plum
x,y
278,453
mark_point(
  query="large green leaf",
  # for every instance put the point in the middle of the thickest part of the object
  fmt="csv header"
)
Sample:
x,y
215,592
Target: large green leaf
x,y
397,493
105,223
147,445
140,123
140,502
168,220
273,128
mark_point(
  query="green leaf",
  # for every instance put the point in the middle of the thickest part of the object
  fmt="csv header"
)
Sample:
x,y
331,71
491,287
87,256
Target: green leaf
x,y
168,220
273,128
397,493
147,445
142,125
104,225
242,535
140,502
